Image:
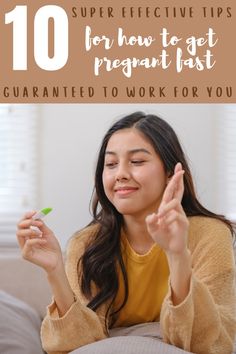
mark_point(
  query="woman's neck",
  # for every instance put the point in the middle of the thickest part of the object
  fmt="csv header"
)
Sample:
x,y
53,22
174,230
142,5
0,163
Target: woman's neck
x,y
136,232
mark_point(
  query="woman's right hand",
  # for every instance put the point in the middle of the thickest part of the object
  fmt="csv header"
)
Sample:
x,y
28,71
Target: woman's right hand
x,y
39,247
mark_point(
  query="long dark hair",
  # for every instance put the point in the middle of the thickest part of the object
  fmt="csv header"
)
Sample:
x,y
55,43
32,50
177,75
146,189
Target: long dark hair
x,y
103,256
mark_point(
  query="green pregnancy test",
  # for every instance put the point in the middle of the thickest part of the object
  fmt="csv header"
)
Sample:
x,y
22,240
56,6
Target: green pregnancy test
x,y
42,213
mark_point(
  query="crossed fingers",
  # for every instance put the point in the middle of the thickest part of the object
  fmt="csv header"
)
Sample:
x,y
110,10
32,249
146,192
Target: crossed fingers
x,y
175,188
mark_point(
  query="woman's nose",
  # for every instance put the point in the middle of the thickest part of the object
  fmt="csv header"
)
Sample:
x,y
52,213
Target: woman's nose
x,y
122,172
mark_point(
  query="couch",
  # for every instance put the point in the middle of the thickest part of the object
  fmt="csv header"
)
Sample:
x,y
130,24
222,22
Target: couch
x,y
24,280
24,295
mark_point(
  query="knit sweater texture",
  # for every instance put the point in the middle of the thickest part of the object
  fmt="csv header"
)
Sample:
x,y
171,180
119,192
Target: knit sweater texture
x,y
204,323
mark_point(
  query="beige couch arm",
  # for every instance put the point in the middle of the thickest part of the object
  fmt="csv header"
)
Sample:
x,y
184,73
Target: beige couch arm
x,y
24,280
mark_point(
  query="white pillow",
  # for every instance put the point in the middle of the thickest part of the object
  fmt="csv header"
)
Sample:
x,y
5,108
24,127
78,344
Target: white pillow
x,y
129,345
19,327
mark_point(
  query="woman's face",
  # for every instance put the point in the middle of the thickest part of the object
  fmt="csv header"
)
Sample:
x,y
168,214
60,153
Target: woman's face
x,y
134,178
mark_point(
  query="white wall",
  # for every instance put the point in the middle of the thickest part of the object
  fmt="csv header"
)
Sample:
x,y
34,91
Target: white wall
x,y
70,137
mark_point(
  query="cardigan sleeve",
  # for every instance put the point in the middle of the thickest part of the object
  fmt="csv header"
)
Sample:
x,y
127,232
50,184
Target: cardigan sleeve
x,y
205,322
80,325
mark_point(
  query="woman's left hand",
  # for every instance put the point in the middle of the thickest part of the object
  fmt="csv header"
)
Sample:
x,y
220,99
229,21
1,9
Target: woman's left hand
x,y
169,226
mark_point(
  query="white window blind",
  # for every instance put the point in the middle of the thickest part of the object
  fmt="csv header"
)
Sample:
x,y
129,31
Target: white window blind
x,y
18,165
226,151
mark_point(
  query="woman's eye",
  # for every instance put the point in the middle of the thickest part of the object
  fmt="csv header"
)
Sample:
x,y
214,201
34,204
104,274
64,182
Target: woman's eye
x,y
110,164
137,162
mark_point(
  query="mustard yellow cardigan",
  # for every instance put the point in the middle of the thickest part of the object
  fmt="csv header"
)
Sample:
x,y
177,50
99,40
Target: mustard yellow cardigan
x,y
204,323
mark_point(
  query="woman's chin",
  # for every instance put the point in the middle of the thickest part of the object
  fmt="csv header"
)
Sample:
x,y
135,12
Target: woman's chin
x,y
126,210
130,210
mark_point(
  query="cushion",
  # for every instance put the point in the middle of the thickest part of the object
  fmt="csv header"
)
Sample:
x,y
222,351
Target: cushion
x,y
147,329
128,345
19,327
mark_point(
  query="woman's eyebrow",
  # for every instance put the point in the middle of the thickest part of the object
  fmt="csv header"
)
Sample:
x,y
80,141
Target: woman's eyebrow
x,y
133,151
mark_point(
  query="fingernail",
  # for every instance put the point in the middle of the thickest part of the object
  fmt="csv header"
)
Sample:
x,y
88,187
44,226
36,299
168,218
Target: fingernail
x,y
36,229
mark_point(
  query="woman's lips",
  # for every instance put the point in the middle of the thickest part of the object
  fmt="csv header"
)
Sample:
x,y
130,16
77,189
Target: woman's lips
x,y
124,191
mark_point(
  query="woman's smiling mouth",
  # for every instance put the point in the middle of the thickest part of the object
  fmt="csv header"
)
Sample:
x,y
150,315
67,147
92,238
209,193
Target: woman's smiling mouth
x,y
125,190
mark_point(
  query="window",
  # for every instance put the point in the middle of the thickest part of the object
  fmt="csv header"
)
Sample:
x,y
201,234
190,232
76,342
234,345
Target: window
x,y
18,165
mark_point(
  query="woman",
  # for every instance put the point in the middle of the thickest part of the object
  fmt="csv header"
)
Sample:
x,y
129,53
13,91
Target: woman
x,y
152,252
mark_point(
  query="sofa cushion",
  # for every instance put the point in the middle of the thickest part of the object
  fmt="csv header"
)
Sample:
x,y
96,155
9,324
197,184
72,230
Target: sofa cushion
x,y
19,327
129,345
